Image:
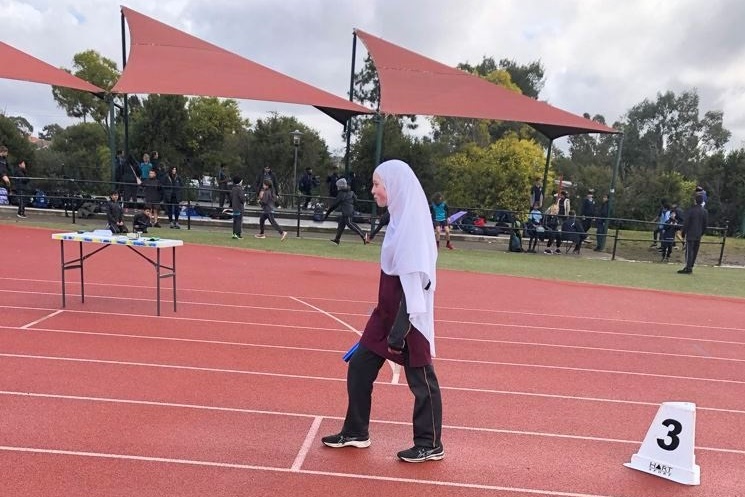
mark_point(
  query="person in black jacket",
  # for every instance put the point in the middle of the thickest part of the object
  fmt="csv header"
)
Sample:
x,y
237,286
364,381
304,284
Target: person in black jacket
x,y
172,188
573,232
237,200
115,214
344,200
694,224
141,221
153,195
4,173
267,200
22,189
265,174
130,179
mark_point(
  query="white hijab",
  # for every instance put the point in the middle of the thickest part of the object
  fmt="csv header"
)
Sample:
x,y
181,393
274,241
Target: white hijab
x,y
409,250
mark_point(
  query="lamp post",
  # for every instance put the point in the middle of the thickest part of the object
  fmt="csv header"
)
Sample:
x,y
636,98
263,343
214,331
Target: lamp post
x,y
295,143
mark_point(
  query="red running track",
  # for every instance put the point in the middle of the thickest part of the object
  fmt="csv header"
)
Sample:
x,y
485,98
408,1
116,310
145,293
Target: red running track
x,y
230,395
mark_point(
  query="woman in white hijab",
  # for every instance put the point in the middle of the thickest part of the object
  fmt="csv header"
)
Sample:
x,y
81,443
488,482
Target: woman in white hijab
x,y
401,328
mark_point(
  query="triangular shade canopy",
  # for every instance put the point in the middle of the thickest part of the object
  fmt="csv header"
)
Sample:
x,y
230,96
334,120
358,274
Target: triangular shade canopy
x,y
413,84
163,59
21,66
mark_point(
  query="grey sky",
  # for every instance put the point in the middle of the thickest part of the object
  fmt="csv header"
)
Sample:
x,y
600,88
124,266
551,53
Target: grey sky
x,y
600,56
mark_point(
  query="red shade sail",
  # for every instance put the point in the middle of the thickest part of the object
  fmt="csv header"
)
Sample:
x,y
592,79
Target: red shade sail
x,y
163,59
21,66
413,84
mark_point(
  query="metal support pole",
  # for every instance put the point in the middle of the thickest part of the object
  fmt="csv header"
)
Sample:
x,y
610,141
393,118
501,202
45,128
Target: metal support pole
x,y
126,105
348,126
545,170
294,178
612,190
378,154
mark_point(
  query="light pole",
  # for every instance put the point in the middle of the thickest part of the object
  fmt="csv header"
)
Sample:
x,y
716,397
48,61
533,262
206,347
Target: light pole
x,y
295,143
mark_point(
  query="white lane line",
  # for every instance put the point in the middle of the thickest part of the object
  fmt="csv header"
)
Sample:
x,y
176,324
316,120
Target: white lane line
x,y
396,371
324,378
445,308
309,439
349,327
252,467
50,315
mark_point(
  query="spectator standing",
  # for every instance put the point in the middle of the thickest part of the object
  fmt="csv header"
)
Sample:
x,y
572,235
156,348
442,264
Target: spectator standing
x,y
536,193
4,172
22,188
601,224
131,179
153,196
667,238
145,167
440,212
222,185
237,201
660,219
115,214
306,184
564,205
694,225
267,201
588,210
120,162
331,180
172,191
401,327
267,174
701,192
344,201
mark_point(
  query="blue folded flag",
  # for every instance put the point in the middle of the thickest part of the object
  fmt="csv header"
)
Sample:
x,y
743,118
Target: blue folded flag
x,y
351,352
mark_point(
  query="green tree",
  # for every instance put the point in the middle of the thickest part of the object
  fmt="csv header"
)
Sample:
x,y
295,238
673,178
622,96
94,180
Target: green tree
x,y
86,155
497,176
210,121
420,154
19,148
96,69
23,125
49,131
270,143
161,123
669,135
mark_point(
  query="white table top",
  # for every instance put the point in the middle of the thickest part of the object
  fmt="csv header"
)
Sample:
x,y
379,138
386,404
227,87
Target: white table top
x,y
94,237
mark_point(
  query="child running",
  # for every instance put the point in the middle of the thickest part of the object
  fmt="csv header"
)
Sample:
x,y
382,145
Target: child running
x,y
267,200
439,210
344,200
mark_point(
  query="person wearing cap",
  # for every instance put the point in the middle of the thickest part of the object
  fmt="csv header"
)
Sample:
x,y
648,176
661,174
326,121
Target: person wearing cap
x,y
401,327
344,201
702,193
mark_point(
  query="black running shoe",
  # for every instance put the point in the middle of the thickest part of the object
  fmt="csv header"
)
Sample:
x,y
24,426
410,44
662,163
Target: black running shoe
x,y
421,454
341,440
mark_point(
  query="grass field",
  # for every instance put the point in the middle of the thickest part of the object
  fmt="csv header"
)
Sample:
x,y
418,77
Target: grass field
x,y
633,269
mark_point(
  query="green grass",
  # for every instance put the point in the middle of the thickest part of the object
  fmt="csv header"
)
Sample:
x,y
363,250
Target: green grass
x,y
477,257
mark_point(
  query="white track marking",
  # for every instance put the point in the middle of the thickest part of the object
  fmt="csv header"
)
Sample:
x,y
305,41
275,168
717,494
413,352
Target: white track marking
x,y
32,323
447,308
191,462
394,378
309,438
324,378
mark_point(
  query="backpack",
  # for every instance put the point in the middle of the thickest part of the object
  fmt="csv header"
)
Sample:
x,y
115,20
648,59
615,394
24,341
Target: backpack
x,y
40,200
318,213
516,243
4,196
